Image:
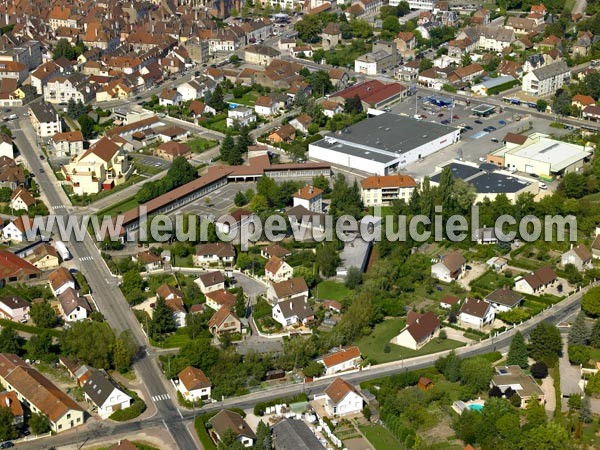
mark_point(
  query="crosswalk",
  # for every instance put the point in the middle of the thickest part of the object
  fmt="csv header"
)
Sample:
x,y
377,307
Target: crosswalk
x,y
59,207
159,397
86,258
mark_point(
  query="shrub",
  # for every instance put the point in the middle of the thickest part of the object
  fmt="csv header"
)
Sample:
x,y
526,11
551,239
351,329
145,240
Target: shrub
x,y
137,407
539,370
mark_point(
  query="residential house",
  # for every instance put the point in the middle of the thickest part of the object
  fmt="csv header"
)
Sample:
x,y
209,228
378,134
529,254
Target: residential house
x,y
382,58
220,298
536,282
45,120
348,358
508,68
177,307
18,230
274,250
219,253
581,101
450,268
330,108
60,280
266,106
583,44
69,143
596,247
546,80
331,36
172,149
224,321
591,112
466,74
171,133
476,313
39,394
104,393
504,299
14,308
21,200
383,190
74,306
449,301
260,55
513,377
406,43
227,421
192,90
210,281
149,260
291,433
194,384
198,108
14,269
293,312
10,400
301,123
491,38
241,116
76,87
14,70
101,167
521,25
170,97
284,134
309,197
6,147
485,236
339,77
548,43
341,398
277,270
480,17
419,330
11,175
579,256
286,290
43,256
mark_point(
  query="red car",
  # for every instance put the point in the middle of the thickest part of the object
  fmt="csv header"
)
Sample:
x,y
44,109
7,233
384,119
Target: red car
x,y
441,115
423,116
455,117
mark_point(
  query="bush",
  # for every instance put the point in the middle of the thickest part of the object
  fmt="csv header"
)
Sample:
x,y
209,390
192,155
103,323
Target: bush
x,y
261,408
137,407
200,426
539,370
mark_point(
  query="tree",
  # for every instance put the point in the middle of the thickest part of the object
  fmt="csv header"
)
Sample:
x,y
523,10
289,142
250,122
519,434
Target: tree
x,y
535,414
465,60
579,354
181,172
476,374
39,346
391,24
227,148
574,402
90,342
162,320
64,49
320,83
590,302
216,99
572,274
240,303
541,105
39,423
263,437
86,124
562,103
309,28
9,341
320,182
8,429
593,384
353,105
354,277
545,343
517,353
313,369
328,259
585,412
539,370
131,283
551,436
595,334
200,353
579,333
124,351
239,199
43,315
449,366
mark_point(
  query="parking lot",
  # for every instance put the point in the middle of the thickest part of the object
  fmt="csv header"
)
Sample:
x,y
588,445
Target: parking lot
x,y
152,161
216,203
477,140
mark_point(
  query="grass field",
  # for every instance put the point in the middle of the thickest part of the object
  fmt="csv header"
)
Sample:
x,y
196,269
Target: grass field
x,y
177,339
119,208
199,144
373,346
331,290
379,437
217,125
248,99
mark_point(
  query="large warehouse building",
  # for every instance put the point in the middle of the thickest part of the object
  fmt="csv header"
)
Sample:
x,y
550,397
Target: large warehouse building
x,y
382,144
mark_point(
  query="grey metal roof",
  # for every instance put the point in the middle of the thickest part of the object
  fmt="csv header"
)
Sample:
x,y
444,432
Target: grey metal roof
x,y
43,112
495,182
98,387
551,70
292,434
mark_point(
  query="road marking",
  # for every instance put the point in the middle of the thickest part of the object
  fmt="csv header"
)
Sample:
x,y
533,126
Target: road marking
x,y
86,258
59,207
160,397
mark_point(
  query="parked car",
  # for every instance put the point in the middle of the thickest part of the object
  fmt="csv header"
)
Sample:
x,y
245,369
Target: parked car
x,y
445,122
423,116
495,140
455,117
502,122
479,122
543,186
468,127
492,128
487,129
441,115
7,444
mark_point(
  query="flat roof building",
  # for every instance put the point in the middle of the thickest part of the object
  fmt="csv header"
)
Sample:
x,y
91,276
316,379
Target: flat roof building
x,y
488,183
382,144
541,155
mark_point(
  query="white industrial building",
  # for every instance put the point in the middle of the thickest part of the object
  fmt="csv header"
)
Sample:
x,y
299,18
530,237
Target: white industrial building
x,y
382,144
543,156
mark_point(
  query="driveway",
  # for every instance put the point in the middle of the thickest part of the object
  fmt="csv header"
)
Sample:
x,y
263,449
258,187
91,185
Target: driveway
x,y
569,374
457,335
548,388
477,269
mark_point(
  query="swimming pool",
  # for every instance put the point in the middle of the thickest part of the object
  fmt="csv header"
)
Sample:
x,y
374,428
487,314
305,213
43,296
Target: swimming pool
x,y
475,406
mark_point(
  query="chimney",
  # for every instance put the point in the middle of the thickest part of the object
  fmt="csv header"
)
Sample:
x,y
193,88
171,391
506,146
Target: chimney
x,y
7,401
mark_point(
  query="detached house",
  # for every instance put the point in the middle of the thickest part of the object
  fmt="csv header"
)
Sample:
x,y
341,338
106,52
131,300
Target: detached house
x,y
285,290
221,298
60,280
193,384
21,200
224,321
278,270
17,230
69,143
450,268
227,421
169,97
14,308
295,311
348,358
579,256
211,281
105,394
274,250
476,313
536,282
214,254
74,307
149,260
504,299
524,386
341,398
420,329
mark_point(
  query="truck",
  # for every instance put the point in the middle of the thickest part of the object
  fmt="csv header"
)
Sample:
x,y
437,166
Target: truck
x,y
62,250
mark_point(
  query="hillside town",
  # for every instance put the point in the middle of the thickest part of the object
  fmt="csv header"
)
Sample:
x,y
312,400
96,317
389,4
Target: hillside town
x,y
361,225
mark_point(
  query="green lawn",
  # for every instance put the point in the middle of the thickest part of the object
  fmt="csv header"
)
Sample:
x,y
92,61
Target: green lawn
x,y
217,125
373,346
198,144
332,290
175,340
379,437
248,99
119,208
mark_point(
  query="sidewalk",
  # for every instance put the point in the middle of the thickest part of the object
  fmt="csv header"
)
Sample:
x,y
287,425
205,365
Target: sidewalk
x,y
155,437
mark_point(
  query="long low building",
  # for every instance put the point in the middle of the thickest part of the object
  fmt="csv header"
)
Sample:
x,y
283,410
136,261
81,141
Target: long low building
x,y
488,181
539,154
382,144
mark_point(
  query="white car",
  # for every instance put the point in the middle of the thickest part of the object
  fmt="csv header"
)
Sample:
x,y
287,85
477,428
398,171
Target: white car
x,y
543,186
